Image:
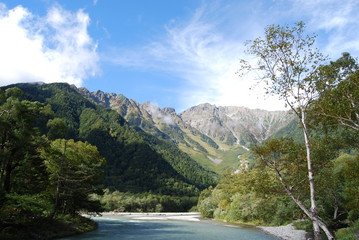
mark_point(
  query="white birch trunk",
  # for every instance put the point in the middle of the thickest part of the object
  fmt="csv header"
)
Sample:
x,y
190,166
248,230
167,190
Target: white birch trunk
x,y
317,223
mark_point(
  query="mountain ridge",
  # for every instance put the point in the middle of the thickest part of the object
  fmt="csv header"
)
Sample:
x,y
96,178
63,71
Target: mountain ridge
x,y
215,136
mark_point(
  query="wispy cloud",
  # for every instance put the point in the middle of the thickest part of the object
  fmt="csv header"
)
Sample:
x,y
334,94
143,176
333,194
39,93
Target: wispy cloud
x,y
337,23
328,14
204,50
51,48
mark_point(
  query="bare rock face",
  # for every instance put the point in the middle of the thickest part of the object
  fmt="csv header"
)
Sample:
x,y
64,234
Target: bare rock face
x,y
238,124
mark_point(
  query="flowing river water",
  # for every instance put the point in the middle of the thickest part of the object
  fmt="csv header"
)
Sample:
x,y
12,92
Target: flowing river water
x,y
180,226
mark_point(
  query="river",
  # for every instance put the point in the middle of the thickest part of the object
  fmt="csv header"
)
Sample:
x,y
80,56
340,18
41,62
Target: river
x,y
167,226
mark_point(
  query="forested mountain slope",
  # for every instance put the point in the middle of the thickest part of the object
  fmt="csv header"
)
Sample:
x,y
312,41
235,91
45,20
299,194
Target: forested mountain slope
x,y
135,160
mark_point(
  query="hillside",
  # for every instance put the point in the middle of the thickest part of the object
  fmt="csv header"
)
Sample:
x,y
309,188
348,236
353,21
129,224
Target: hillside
x,y
136,161
216,137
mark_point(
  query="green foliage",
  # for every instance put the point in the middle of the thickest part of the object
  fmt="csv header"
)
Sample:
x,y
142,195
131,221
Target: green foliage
x,y
286,157
346,168
207,208
63,226
304,224
345,234
338,101
19,142
144,202
182,163
255,195
251,196
126,150
349,233
293,130
206,204
25,191
57,128
289,65
75,170
22,208
250,208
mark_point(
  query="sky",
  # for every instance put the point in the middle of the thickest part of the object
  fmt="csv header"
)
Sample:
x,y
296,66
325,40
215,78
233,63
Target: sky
x,y
173,53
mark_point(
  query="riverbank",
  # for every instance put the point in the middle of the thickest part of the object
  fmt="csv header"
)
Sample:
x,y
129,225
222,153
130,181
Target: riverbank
x,y
287,232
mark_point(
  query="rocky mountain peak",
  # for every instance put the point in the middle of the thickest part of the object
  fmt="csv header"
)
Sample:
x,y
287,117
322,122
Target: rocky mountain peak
x,y
236,123
169,110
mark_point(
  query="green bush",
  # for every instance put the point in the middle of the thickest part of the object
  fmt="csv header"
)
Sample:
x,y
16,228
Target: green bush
x,y
348,233
345,234
22,208
207,208
219,213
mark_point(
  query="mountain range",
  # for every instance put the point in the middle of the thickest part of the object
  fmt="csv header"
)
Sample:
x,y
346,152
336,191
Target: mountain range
x,y
217,137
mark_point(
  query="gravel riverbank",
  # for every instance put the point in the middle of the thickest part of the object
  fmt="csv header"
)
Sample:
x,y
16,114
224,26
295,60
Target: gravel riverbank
x,y
287,232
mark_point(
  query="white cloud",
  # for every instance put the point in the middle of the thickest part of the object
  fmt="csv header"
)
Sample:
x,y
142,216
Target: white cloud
x,y
52,48
156,112
336,22
205,55
327,14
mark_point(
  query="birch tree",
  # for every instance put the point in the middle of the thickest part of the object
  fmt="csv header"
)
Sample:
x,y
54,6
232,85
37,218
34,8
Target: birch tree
x,y
288,62
338,104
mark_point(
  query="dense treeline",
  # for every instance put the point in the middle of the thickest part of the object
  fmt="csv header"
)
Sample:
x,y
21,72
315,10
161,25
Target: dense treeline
x,y
132,165
182,163
275,191
144,202
44,180
255,195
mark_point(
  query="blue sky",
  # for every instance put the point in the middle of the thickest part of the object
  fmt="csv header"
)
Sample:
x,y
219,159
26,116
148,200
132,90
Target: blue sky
x,y
174,53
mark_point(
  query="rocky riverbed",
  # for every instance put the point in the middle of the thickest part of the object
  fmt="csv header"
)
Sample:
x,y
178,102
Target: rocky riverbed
x,y
287,232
